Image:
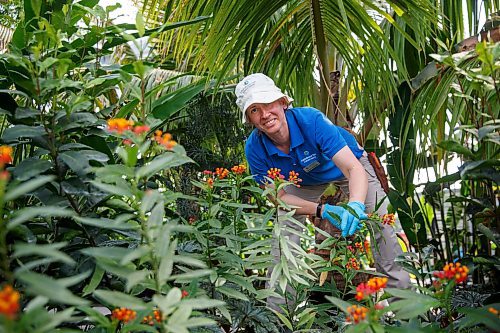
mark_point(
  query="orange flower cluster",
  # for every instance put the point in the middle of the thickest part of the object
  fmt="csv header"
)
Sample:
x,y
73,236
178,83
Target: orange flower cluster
x,y
388,219
239,169
5,155
352,264
210,182
9,301
165,139
120,125
453,271
140,129
123,314
149,319
356,314
275,174
359,246
364,290
494,311
367,245
221,172
294,178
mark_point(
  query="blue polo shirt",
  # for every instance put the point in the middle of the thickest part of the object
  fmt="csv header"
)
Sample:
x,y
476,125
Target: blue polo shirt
x,y
314,141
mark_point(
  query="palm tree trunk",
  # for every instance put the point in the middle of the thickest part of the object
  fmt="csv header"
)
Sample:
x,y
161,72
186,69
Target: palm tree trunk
x,y
322,53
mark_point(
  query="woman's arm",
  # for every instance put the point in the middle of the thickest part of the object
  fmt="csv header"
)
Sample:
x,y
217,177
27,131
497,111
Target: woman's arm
x,y
355,173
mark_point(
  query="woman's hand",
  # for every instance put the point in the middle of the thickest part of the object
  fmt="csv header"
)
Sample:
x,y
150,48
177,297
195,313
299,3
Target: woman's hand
x,y
349,222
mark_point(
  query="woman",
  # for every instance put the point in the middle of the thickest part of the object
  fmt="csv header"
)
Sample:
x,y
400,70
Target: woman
x,y
305,141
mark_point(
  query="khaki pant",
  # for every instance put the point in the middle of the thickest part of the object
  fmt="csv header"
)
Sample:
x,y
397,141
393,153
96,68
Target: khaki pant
x,y
385,238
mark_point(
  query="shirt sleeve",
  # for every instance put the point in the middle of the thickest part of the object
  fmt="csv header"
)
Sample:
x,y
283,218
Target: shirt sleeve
x,y
258,164
328,136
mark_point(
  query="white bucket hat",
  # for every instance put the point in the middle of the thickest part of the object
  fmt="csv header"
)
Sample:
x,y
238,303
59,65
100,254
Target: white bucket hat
x,y
257,88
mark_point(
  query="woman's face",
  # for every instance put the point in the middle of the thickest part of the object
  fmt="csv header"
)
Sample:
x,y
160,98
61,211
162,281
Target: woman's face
x,y
268,117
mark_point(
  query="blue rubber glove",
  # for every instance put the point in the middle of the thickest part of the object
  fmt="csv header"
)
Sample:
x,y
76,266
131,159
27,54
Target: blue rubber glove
x,y
350,223
343,219
337,212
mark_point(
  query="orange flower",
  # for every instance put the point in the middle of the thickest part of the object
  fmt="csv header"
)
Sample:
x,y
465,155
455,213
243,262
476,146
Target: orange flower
x,y
358,246
120,125
4,175
165,139
158,315
123,314
494,311
352,264
5,155
367,245
275,174
356,314
364,290
140,129
184,294
453,271
388,219
239,169
210,182
9,301
149,319
294,178
221,172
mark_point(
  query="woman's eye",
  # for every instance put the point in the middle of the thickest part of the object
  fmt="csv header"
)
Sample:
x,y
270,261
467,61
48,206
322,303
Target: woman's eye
x,y
253,110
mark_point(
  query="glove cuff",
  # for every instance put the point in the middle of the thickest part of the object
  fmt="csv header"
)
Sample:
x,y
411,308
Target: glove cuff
x,y
359,204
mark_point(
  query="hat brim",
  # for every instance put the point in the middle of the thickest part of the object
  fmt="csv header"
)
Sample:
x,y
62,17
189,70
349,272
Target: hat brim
x,y
265,98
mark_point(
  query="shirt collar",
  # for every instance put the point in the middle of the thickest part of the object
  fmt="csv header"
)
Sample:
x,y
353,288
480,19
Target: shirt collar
x,y
296,137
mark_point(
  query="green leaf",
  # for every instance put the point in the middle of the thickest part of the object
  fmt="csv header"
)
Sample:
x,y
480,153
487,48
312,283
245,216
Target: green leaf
x,y
456,147
76,161
203,303
169,104
94,281
165,161
96,316
119,299
104,223
232,293
39,284
139,23
488,233
11,134
189,276
110,252
473,317
341,304
30,167
122,189
283,319
15,190
28,213
44,250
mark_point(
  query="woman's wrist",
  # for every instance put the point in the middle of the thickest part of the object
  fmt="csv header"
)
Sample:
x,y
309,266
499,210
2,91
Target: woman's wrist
x,y
319,210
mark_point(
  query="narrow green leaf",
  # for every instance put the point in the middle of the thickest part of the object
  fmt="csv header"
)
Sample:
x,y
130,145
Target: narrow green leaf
x,y
232,293
15,190
44,250
118,299
39,284
28,213
139,24
94,281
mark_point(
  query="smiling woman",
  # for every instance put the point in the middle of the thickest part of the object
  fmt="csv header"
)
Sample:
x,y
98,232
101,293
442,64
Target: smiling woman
x,y
302,141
